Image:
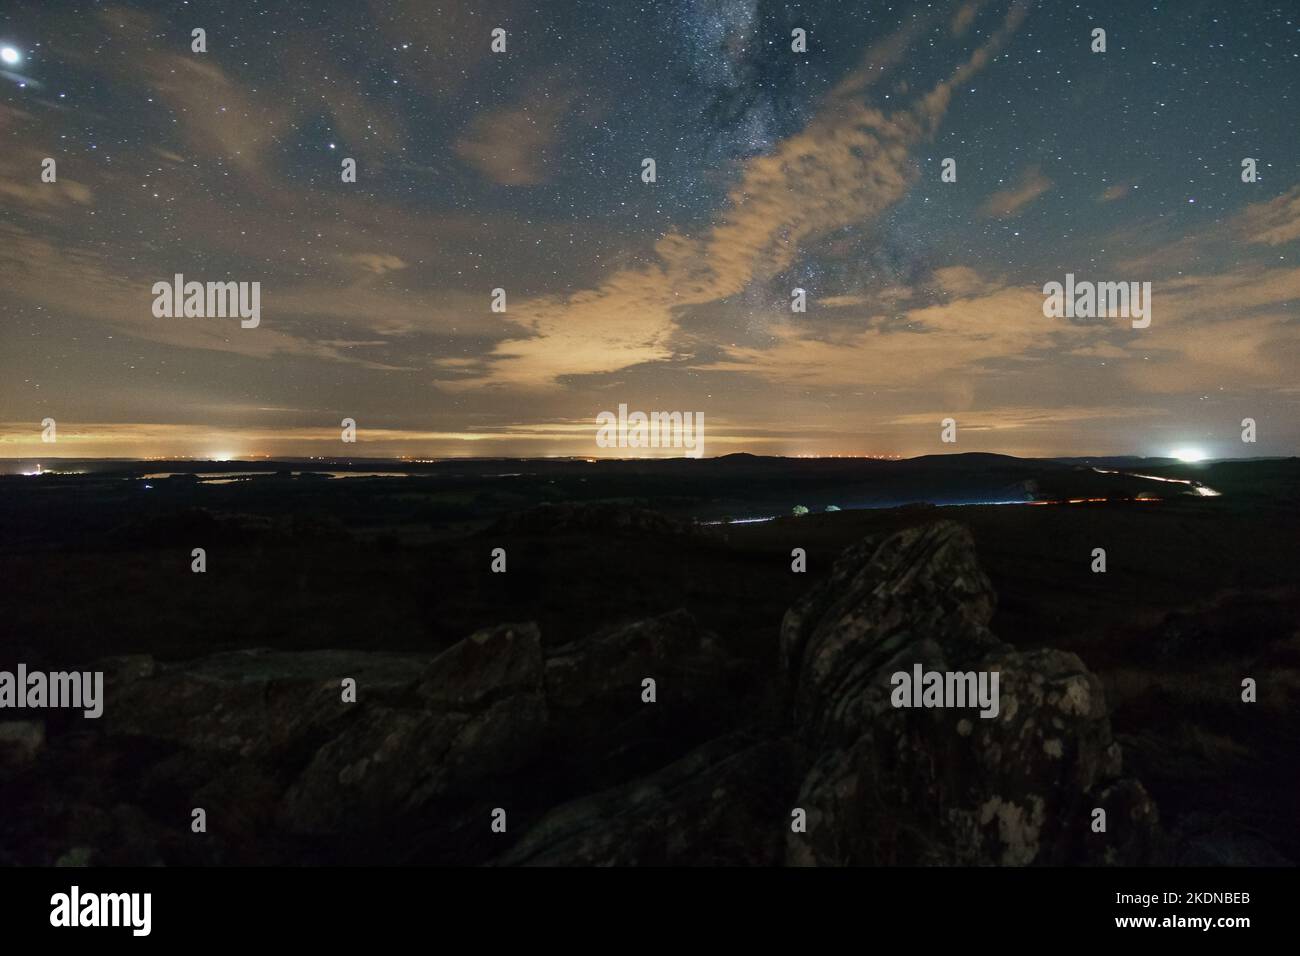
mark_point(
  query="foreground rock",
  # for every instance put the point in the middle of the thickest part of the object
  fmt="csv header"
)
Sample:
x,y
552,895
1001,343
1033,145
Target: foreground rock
x,y
943,785
497,715
645,743
481,716
265,743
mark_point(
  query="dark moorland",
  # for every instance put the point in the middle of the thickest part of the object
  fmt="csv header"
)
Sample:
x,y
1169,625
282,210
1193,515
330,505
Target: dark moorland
x,y
617,570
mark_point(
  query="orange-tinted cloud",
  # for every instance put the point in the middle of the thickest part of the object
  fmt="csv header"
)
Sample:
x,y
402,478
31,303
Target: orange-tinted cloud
x,y
1008,202
1274,222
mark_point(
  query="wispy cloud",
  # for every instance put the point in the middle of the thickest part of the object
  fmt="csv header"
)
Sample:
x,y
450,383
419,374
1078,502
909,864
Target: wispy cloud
x,y
1009,202
1274,222
512,146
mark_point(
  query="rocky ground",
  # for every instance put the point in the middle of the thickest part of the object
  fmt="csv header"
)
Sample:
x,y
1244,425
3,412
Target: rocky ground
x,y
734,753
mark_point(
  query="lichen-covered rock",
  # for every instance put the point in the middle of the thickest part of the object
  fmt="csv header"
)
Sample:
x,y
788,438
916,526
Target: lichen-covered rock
x,y
945,785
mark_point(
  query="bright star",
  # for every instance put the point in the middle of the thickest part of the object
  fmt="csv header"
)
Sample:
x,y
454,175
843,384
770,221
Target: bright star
x,y
10,56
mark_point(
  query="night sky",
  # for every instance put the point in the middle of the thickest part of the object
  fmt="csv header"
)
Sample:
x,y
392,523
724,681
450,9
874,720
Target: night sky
x,y
775,170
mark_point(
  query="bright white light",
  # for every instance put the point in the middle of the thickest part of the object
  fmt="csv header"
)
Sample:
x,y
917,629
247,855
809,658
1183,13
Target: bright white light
x,y
10,56
222,455
1189,454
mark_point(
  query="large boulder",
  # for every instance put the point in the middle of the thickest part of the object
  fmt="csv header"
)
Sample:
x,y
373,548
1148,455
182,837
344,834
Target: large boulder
x,y
479,715
944,785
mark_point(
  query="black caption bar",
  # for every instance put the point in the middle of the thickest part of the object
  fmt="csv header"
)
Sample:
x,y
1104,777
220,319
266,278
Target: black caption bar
x,y
336,905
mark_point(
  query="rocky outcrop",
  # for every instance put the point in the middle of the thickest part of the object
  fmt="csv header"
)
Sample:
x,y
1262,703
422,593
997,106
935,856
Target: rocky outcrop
x,y
945,785
277,750
645,743
481,715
